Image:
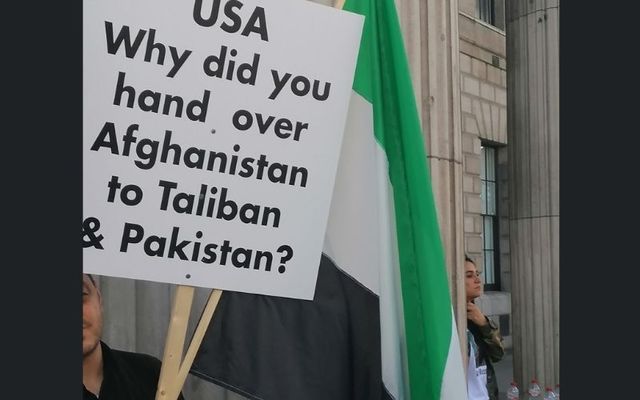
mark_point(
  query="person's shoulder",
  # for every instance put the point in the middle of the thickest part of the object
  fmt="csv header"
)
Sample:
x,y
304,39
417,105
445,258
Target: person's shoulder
x,y
141,365
136,357
141,360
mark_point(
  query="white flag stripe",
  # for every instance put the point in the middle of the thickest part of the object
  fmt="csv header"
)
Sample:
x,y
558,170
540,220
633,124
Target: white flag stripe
x,y
352,238
361,235
454,386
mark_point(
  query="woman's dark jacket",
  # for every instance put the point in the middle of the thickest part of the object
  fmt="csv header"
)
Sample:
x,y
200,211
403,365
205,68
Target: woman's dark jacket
x,y
490,350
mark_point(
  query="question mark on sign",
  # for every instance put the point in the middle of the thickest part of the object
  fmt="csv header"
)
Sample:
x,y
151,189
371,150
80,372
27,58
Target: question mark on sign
x,y
288,253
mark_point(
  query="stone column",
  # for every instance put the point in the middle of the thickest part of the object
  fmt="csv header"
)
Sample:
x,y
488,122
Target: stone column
x,y
430,29
533,135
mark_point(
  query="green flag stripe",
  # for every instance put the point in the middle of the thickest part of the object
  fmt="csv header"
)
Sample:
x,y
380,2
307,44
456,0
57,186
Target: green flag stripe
x,y
382,77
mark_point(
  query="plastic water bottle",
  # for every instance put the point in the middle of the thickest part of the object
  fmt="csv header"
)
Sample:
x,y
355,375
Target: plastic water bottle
x,y
549,394
513,393
556,391
534,390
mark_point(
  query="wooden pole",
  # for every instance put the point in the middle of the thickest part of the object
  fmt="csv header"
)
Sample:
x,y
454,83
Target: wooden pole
x,y
338,4
196,340
175,369
174,343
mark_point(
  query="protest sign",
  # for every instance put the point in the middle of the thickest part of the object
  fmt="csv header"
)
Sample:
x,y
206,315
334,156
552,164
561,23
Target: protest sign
x,y
211,136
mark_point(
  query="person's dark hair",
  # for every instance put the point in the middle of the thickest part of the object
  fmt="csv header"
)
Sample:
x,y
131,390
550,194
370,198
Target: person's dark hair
x,y
466,258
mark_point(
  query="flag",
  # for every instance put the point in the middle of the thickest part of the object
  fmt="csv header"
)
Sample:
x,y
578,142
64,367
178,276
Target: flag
x,y
381,323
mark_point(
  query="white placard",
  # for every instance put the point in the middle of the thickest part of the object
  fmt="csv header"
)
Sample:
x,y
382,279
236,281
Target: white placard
x,y
212,131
